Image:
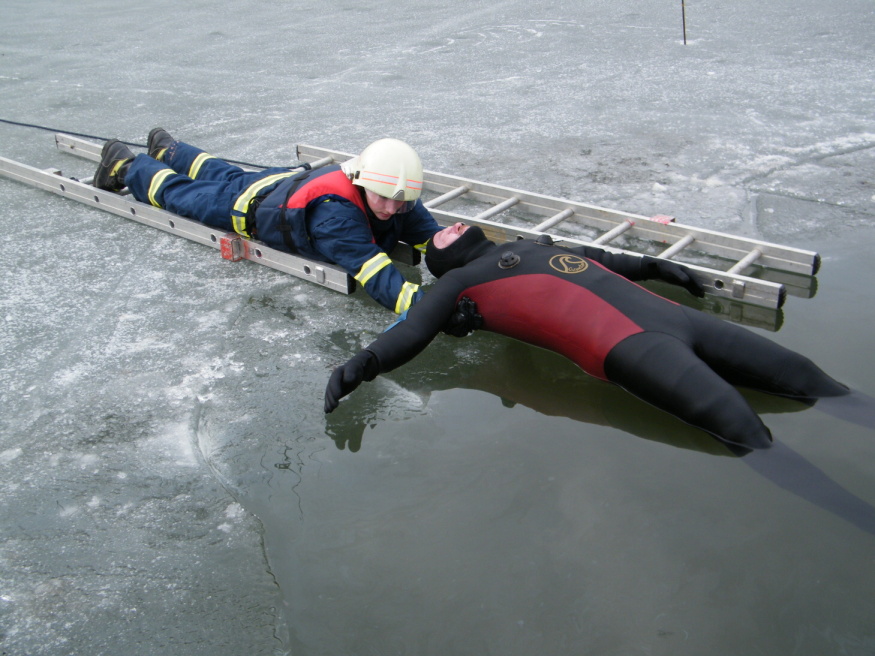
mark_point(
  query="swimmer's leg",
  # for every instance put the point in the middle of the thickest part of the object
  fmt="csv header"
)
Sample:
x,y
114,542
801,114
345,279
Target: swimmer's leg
x,y
746,358
665,372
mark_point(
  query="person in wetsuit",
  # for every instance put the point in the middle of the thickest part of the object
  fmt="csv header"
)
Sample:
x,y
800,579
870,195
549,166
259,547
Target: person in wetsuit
x,y
582,303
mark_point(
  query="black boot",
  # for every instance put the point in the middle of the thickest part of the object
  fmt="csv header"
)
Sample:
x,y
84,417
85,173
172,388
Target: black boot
x,y
158,143
115,159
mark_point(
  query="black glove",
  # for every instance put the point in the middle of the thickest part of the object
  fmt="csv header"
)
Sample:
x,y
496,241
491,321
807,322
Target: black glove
x,y
671,272
347,377
464,319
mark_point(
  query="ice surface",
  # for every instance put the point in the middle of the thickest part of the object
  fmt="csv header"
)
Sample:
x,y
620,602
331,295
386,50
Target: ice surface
x,y
170,482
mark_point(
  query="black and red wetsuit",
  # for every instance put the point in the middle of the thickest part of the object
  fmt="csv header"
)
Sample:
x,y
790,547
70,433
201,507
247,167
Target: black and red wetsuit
x,y
577,302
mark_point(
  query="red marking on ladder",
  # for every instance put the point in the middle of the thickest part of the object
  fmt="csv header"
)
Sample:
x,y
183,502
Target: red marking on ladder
x,y
234,247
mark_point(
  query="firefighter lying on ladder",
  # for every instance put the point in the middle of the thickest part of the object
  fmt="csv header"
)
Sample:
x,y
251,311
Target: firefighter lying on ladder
x,y
351,215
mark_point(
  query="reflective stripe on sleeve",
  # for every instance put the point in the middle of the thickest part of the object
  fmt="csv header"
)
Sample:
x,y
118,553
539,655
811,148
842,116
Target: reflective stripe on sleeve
x,y
372,267
405,298
155,184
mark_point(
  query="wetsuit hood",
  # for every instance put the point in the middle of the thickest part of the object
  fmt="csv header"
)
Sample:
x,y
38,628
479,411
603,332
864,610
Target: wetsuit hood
x,y
470,245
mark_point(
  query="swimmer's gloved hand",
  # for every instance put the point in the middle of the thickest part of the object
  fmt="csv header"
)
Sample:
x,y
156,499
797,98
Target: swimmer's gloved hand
x,y
464,320
347,377
654,268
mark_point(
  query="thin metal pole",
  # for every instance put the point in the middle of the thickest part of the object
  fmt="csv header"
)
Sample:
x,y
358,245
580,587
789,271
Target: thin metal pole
x,y
684,20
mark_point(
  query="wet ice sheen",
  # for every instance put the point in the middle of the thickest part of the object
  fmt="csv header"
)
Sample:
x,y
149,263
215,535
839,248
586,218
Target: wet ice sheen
x,y
170,483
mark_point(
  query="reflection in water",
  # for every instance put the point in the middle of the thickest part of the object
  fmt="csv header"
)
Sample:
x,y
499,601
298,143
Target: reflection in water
x,y
856,407
551,385
792,472
520,374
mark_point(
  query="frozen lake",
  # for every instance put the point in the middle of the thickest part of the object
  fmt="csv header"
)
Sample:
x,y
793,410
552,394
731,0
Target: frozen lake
x,y
170,482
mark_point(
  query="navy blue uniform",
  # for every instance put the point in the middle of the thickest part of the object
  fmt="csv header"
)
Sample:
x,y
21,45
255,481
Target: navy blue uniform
x,y
319,214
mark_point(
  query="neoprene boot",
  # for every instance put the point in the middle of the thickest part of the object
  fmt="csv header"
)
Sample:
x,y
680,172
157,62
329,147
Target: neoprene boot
x,y
115,158
158,143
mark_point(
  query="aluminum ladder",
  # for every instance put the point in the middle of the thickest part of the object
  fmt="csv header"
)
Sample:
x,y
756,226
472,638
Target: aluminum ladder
x,y
232,246
506,214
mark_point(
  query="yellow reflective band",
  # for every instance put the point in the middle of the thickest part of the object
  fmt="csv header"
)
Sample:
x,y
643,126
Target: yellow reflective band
x,y
405,298
421,247
196,165
241,205
155,184
371,267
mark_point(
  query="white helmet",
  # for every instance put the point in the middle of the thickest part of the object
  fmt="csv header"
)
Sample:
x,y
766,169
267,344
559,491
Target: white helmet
x,y
389,168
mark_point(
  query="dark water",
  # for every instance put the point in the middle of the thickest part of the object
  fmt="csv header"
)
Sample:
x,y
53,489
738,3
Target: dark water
x,y
507,504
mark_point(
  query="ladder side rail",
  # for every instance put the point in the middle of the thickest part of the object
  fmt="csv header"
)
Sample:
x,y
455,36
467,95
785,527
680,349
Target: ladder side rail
x,y
309,154
327,275
707,241
728,247
771,256
720,284
710,242
79,147
797,285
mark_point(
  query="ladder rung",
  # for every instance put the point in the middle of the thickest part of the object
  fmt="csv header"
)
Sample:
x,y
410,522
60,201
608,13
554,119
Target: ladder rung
x,y
677,247
497,209
613,234
746,261
319,163
450,195
554,220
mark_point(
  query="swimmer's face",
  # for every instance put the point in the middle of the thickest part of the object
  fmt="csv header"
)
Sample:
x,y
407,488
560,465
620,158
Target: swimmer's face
x,y
448,235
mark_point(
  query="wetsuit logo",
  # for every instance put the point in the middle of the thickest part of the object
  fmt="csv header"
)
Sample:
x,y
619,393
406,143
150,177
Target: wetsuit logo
x,y
567,263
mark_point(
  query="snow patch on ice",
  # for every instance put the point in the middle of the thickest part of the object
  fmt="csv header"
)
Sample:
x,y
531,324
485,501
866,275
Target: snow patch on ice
x,y
9,455
173,444
235,511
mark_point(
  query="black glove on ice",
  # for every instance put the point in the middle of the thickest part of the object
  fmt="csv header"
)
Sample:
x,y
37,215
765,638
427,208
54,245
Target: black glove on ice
x,y
347,377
